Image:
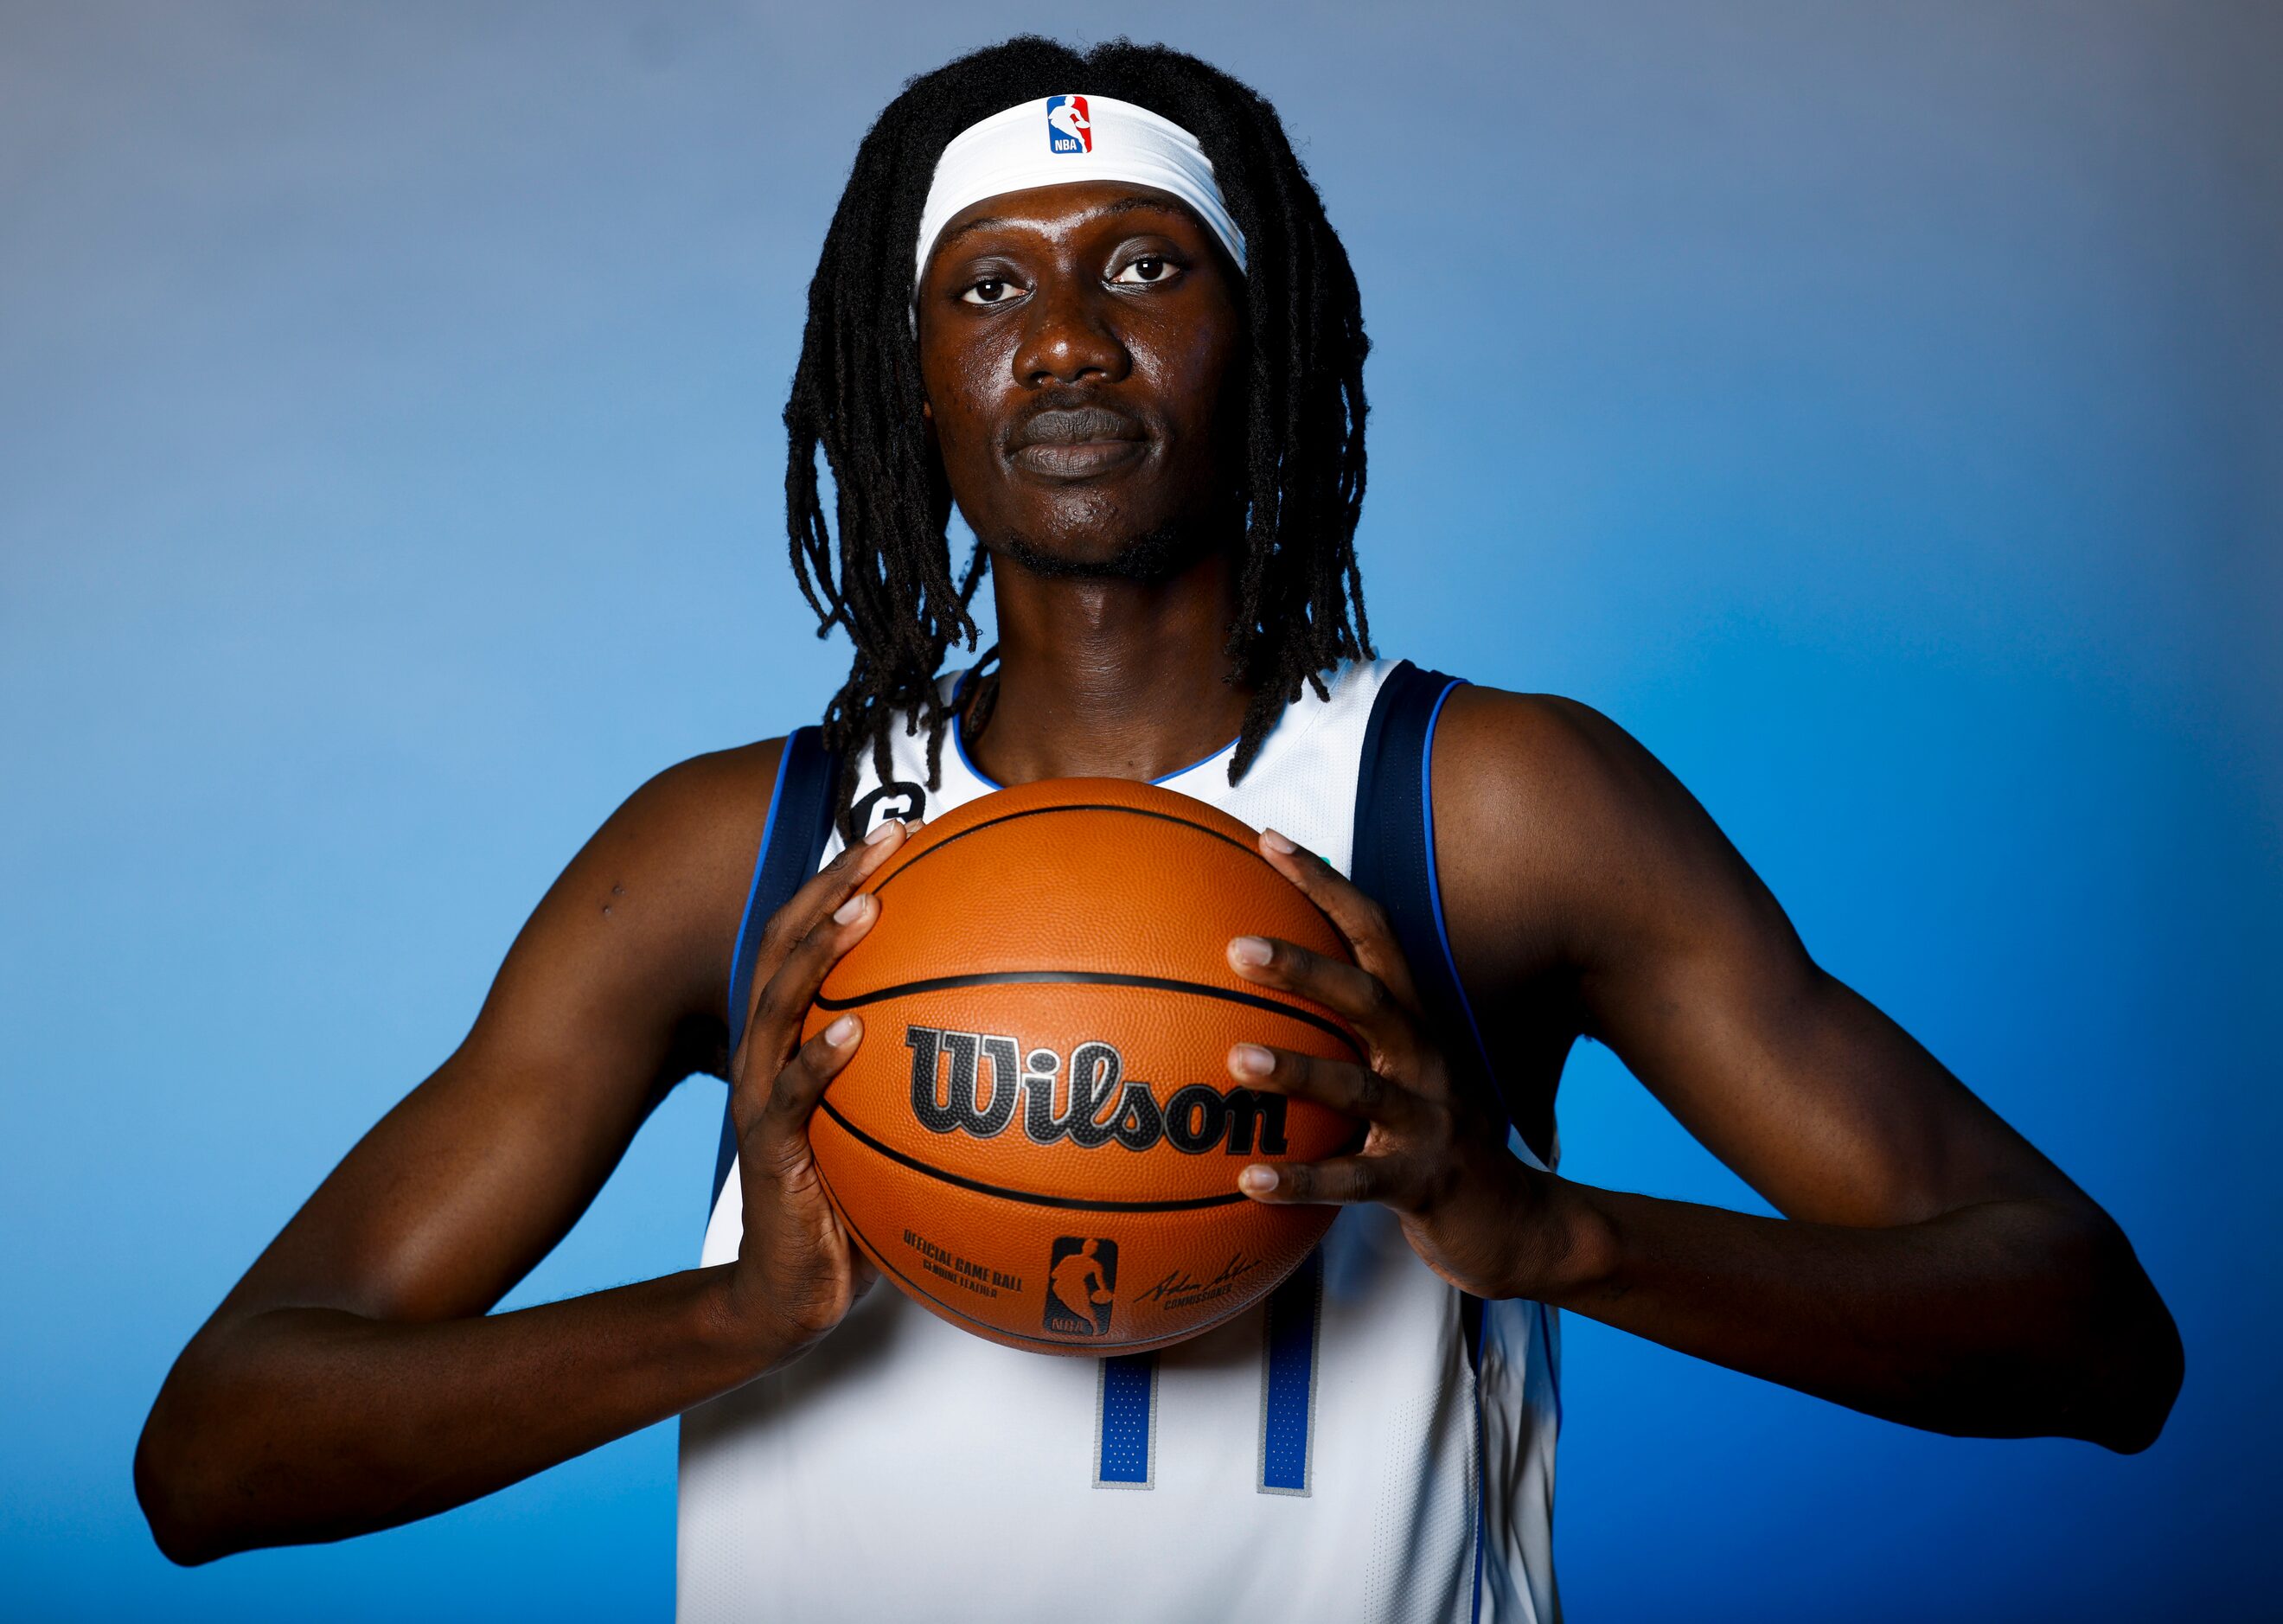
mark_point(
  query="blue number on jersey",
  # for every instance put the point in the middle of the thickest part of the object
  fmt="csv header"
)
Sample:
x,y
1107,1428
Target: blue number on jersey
x,y
1126,1408
1287,1378
1124,1417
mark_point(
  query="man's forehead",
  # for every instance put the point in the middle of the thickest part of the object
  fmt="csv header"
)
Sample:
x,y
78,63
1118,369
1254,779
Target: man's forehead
x,y
1049,209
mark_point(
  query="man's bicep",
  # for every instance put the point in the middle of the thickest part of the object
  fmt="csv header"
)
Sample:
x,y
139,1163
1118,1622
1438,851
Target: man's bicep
x,y
1686,965
613,989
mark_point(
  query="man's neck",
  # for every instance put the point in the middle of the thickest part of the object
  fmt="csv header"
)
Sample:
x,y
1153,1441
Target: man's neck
x,y
1106,678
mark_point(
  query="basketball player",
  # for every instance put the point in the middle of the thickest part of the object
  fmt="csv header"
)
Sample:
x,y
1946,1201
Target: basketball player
x,y
1138,377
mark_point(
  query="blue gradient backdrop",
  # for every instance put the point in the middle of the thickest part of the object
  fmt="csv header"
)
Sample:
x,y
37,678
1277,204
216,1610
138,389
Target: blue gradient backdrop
x,y
1874,409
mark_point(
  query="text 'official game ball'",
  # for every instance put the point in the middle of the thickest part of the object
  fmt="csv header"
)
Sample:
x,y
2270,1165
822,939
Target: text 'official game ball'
x,y
1038,1137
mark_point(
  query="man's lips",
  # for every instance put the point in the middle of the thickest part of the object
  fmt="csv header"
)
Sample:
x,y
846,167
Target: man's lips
x,y
1076,442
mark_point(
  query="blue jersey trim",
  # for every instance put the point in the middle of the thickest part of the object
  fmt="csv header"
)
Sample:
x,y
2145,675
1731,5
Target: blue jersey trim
x,y
1434,880
806,776
1482,1470
1546,1312
736,1010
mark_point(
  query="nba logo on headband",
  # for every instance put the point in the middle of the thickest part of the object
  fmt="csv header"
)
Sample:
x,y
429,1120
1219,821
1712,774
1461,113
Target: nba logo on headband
x,y
1069,129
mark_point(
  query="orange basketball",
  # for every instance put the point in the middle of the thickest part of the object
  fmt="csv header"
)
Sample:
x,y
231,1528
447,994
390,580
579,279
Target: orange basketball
x,y
1038,1138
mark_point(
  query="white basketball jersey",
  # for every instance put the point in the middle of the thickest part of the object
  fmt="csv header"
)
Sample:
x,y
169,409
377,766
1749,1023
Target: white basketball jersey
x,y
1356,1463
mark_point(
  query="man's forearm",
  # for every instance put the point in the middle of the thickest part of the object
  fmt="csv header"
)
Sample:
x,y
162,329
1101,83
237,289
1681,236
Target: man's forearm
x,y
2006,1319
298,1425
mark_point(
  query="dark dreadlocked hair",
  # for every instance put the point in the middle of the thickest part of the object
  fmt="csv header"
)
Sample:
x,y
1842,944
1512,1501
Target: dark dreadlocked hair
x,y
857,390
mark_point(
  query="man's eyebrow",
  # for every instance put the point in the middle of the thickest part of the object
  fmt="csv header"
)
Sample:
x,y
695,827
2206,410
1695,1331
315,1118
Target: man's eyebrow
x,y
1119,206
1126,206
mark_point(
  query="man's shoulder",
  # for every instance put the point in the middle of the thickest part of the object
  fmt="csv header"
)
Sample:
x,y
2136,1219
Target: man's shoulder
x,y
1547,812
705,799
685,840
1496,749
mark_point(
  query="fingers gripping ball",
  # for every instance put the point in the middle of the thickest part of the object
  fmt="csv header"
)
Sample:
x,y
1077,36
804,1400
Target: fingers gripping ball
x,y
1038,1139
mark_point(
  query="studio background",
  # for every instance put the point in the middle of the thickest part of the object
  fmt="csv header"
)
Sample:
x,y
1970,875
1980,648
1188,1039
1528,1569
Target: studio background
x,y
1873,408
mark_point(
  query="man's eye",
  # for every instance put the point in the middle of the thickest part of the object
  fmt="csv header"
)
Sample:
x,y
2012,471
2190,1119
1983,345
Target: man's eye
x,y
991,291
1149,268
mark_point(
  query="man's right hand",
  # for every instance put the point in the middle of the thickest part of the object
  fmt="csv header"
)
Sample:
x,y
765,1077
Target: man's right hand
x,y
797,1273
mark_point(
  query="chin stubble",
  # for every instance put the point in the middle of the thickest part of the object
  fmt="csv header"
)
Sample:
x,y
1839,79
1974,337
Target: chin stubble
x,y
1153,556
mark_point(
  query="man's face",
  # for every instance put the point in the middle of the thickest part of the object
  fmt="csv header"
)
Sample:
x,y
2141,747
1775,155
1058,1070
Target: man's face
x,y
1074,341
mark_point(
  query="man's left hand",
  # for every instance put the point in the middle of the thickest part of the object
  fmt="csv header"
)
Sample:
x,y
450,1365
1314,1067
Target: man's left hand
x,y
1477,1214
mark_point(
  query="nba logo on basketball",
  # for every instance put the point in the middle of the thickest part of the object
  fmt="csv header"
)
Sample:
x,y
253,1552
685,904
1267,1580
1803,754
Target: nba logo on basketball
x,y
1081,1285
1069,127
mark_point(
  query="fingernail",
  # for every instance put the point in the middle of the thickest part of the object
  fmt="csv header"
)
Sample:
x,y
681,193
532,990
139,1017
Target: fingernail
x,y
841,1033
850,911
1249,950
1251,1060
1256,1181
880,831
1277,843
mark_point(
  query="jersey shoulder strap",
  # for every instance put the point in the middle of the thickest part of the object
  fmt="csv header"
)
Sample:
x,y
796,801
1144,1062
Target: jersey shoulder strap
x,y
1394,863
799,823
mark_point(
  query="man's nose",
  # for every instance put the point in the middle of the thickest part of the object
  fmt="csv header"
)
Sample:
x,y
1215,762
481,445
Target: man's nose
x,y
1068,336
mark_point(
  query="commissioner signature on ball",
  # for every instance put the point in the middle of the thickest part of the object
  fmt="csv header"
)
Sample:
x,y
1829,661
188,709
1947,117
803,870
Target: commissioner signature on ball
x,y
1180,1285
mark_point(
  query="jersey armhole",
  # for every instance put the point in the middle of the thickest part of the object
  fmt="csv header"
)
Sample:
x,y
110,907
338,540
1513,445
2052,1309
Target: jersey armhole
x,y
794,836
1394,863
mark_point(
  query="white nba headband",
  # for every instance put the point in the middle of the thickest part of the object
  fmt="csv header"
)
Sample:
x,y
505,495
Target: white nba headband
x,y
1058,139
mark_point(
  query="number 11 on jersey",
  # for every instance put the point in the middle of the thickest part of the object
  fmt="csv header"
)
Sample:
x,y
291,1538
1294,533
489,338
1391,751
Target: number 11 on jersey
x,y
1125,1411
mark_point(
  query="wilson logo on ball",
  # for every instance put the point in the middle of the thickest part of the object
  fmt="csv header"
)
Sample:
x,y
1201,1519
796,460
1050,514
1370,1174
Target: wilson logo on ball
x,y
1097,1105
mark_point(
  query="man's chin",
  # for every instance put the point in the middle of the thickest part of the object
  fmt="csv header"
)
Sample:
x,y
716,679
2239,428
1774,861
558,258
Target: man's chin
x,y
1153,556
